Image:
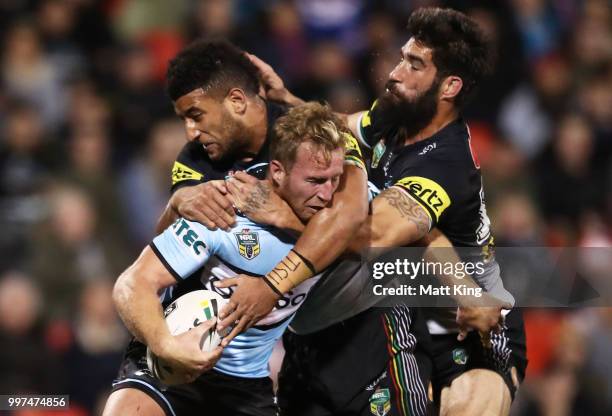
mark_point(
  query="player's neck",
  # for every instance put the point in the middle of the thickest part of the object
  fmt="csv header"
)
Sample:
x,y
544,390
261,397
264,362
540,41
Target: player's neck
x,y
442,119
257,124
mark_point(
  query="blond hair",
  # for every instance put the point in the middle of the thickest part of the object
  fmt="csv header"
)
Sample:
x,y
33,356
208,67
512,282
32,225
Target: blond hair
x,y
308,123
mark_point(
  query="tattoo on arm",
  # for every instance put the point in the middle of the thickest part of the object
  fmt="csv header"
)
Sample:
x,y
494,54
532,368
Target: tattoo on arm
x,y
408,209
258,198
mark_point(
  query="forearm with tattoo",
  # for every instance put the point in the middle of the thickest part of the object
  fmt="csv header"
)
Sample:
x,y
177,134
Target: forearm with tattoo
x,y
258,198
408,208
396,220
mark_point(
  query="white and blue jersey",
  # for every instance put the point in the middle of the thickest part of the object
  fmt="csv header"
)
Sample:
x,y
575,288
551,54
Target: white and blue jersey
x,y
187,246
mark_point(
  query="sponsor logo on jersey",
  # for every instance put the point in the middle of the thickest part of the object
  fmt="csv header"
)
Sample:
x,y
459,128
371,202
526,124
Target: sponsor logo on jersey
x,y
460,356
371,386
427,149
380,402
188,237
378,152
182,172
429,194
248,243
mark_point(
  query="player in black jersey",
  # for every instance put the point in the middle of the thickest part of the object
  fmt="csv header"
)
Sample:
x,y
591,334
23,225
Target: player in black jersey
x,y
422,158
227,120
216,91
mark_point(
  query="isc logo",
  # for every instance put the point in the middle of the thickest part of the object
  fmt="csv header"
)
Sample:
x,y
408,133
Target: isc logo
x,y
189,237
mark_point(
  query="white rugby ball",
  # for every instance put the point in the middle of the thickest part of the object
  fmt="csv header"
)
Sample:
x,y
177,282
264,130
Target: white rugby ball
x,y
185,313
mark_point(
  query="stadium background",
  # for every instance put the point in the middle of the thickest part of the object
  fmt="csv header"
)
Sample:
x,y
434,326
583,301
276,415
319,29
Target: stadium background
x,y
87,140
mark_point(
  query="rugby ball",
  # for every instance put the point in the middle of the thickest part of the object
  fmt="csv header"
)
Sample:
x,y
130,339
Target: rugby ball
x,y
185,313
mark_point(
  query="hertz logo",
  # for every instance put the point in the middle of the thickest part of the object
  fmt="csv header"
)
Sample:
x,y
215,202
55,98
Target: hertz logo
x,y
428,194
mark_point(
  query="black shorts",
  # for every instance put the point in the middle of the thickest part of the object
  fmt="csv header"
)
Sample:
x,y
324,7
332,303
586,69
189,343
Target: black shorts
x,y
212,393
451,358
366,365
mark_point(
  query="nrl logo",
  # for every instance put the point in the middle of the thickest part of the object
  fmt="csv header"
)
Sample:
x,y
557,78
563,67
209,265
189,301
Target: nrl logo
x,y
380,402
378,152
248,243
460,356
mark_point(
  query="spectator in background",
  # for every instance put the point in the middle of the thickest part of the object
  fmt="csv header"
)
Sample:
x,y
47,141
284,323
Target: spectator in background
x,y
89,168
525,264
592,37
504,167
563,389
26,366
380,53
598,363
139,101
71,248
56,20
568,185
285,44
328,65
539,27
595,100
523,107
144,183
99,338
492,17
214,18
24,167
87,110
29,74
338,20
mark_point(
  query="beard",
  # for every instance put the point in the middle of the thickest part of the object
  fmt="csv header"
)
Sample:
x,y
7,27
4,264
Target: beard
x,y
236,138
403,116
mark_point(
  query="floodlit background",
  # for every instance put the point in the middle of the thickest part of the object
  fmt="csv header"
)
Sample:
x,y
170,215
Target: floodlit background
x,y
88,137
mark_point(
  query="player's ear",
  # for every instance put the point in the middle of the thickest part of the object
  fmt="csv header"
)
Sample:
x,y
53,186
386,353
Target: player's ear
x,y
277,172
237,100
451,86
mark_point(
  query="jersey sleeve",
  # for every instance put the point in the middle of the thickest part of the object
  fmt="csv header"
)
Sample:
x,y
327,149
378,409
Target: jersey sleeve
x,y
185,171
432,187
353,155
184,247
367,131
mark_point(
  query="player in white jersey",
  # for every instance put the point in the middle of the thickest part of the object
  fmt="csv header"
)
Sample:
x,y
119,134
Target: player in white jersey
x,y
307,157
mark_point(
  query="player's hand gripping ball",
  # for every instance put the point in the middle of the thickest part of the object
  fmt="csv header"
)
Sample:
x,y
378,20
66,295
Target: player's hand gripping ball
x,y
185,313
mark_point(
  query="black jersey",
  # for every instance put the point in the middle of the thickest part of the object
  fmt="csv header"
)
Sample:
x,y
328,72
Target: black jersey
x,y
441,173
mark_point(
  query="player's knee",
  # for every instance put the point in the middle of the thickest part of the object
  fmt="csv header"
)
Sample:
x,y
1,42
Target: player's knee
x,y
131,402
476,392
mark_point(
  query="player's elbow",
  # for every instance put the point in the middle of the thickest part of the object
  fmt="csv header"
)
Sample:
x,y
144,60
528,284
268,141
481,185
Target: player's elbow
x,y
352,210
356,214
350,218
123,289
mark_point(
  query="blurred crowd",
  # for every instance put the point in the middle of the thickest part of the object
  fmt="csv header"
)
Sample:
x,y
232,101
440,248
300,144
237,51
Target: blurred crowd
x,y
88,137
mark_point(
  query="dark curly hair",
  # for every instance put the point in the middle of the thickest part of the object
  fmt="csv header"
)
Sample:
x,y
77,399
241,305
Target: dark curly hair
x,y
215,65
458,45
